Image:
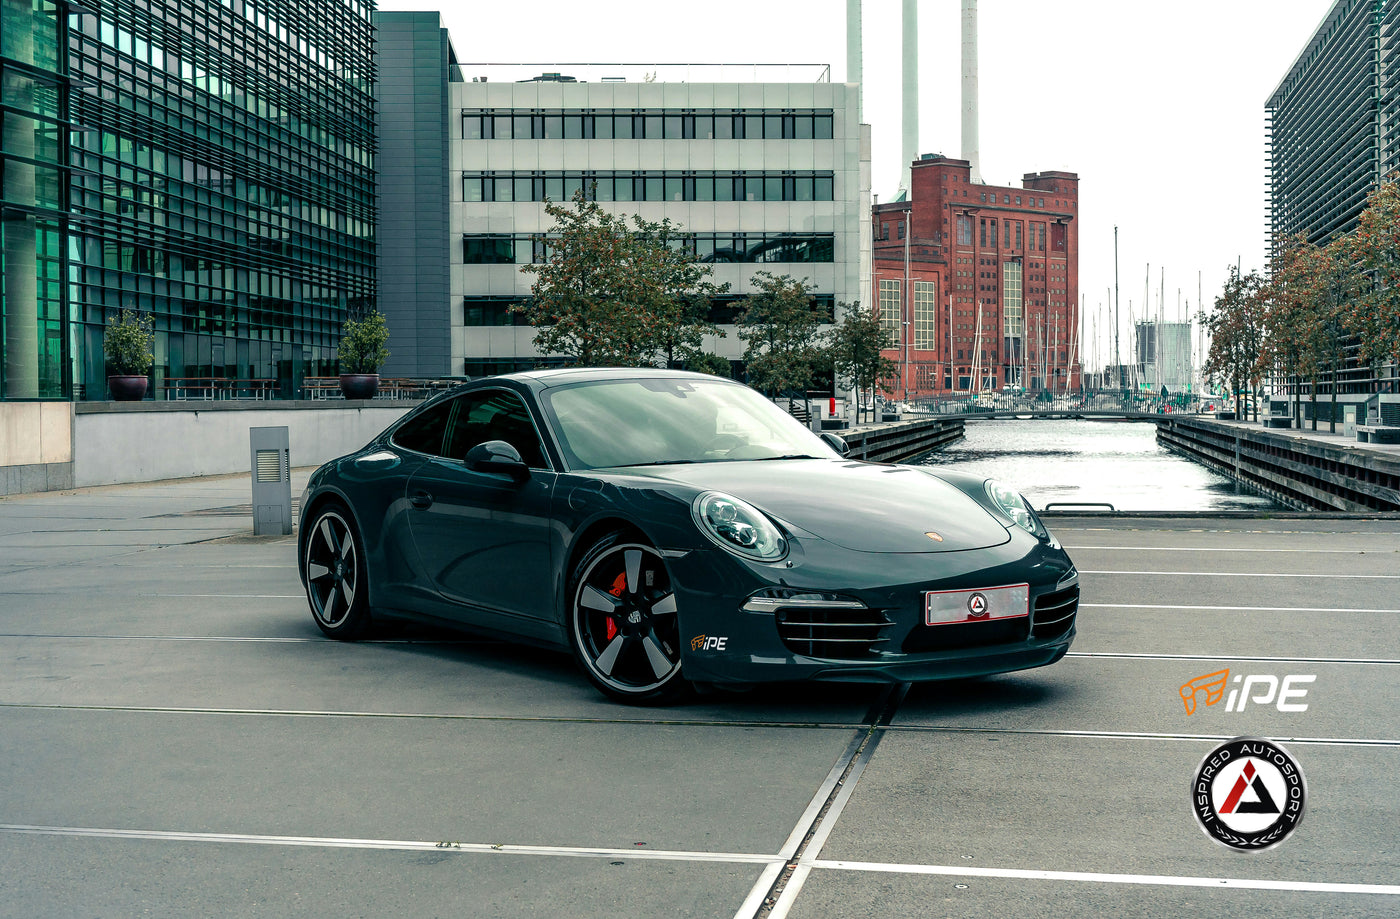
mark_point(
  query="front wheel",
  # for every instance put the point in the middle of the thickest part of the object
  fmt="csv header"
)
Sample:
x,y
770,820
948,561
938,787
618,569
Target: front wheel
x,y
623,623
333,567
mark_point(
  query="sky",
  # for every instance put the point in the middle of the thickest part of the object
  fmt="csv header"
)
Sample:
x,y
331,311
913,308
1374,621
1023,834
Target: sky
x,y
1159,107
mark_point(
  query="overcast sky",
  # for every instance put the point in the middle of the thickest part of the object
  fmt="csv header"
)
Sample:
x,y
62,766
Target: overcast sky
x,y
1159,107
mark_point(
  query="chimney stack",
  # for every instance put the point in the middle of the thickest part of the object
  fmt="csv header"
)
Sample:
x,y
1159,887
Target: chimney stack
x,y
854,66
910,147
969,88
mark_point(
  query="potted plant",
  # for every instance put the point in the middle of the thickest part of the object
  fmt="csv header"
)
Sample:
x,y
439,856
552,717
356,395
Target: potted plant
x,y
128,344
362,351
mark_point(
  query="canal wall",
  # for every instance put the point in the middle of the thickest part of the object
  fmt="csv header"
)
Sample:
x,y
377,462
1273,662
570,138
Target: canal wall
x,y
894,441
1299,472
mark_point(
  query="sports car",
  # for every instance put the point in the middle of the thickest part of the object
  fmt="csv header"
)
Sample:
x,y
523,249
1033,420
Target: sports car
x,y
671,528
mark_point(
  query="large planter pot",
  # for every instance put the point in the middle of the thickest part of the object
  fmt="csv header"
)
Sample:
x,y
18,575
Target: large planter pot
x,y
359,385
127,388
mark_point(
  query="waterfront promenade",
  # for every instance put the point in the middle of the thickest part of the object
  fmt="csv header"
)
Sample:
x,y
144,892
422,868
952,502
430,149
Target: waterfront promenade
x,y
176,738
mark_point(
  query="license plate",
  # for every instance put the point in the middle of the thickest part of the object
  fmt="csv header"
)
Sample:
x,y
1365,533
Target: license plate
x,y
944,607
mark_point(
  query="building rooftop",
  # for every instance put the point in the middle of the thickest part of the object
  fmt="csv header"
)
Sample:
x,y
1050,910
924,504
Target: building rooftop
x,y
646,73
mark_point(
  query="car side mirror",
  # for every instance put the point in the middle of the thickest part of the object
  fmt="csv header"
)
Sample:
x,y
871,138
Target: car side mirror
x,y
497,457
836,443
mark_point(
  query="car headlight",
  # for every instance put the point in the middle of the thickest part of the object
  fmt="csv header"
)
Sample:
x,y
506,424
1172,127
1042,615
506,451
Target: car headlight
x,y
1010,503
738,526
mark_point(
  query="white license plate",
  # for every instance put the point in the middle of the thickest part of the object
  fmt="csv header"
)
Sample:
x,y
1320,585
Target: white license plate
x,y
944,607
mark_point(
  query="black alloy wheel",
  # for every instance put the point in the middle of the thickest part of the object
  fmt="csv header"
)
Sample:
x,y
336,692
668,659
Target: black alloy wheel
x,y
624,624
334,570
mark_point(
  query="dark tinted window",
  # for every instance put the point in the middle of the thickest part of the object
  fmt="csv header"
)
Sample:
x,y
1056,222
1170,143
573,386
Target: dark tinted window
x,y
424,432
494,414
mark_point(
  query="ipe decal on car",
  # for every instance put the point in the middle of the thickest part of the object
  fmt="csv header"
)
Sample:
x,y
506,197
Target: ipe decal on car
x,y
708,643
1270,689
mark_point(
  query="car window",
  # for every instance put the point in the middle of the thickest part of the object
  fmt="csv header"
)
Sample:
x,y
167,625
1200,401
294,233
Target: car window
x,y
424,432
494,414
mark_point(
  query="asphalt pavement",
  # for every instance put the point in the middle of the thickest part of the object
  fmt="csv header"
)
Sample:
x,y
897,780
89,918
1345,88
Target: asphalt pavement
x,y
177,739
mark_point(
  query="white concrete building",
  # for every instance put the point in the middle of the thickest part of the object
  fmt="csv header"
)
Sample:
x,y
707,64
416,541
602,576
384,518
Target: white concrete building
x,y
769,176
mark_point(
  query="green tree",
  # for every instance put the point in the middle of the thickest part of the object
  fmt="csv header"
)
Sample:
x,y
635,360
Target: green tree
x,y
129,343
855,346
362,346
709,362
1373,248
1236,330
782,336
614,294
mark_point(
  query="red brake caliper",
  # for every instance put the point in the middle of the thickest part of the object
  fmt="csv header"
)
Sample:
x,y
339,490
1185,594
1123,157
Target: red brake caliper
x,y
616,590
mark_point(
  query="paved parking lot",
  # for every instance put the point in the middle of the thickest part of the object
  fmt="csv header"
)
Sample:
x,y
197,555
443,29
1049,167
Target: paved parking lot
x,y
176,738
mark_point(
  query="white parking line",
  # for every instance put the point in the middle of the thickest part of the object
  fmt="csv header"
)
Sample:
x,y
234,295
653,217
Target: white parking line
x,y
1253,609
1139,735
331,842
1217,550
1254,574
1093,877
1125,655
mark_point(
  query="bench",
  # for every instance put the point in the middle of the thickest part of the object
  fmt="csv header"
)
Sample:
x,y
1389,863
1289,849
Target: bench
x,y
1378,434
183,389
1278,421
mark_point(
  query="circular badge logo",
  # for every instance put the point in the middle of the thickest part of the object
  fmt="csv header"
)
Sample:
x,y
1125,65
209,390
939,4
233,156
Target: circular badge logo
x,y
1248,794
976,606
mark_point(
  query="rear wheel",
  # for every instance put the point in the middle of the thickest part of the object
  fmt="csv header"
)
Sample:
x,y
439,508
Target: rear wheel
x,y
333,567
623,622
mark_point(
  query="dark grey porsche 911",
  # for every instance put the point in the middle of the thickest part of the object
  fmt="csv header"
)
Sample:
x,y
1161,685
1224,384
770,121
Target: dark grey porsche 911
x,y
673,528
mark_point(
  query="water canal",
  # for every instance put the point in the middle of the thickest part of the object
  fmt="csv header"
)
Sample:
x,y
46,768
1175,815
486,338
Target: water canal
x,y
1114,462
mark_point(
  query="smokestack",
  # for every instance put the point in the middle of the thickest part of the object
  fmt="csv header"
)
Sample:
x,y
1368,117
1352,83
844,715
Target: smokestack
x,y
854,67
969,88
910,147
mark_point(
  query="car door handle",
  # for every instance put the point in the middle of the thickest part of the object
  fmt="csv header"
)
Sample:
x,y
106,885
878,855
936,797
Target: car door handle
x,y
421,499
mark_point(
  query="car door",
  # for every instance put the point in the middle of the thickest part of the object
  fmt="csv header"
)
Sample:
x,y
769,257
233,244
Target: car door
x,y
484,538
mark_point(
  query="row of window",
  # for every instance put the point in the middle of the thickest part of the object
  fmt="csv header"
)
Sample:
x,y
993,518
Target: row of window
x,y
987,234
522,249
625,124
890,298
649,186
500,311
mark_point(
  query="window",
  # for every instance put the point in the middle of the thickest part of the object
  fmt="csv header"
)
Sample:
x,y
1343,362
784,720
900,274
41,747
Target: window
x,y
889,310
925,303
1005,199
899,229
964,230
493,414
983,232
1006,234
423,433
488,250
1018,234
1011,310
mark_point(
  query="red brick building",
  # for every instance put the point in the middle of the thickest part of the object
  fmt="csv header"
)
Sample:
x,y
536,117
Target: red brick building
x,y
954,248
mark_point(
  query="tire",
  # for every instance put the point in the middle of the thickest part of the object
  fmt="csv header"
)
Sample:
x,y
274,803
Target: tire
x,y
623,623
333,569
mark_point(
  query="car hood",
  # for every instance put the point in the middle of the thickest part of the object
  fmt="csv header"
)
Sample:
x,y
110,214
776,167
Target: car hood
x,y
862,506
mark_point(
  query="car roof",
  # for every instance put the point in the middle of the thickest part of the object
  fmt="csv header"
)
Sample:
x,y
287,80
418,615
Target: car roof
x,y
544,379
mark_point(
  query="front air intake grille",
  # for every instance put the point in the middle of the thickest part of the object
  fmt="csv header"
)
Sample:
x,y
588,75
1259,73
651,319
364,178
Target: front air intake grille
x,y
842,634
1054,613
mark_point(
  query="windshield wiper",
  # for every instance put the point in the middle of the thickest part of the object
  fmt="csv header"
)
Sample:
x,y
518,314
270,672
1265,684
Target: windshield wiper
x,y
669,462
788,456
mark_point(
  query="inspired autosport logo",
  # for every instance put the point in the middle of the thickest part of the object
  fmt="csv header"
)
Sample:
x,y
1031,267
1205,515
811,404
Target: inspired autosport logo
x,y
1249,794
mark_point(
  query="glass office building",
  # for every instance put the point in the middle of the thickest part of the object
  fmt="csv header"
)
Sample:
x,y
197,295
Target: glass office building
x,y
209,162
1333,126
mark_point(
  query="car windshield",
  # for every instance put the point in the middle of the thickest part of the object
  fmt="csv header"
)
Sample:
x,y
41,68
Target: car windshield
x,y
659,420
